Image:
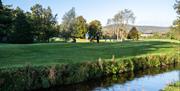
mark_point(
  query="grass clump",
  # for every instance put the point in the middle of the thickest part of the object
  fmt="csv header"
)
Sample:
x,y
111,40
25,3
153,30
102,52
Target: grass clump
x,y
173,87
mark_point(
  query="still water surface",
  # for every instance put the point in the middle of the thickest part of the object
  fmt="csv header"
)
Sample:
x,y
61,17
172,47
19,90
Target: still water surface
x,y
149,80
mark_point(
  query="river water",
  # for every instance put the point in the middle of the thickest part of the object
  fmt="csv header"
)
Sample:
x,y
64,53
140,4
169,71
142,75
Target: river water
x,y
148,80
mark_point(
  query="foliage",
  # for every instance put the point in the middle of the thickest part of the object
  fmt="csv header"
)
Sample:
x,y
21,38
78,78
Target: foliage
x,y
1,6
175,33
133,34
21,31
73,28
120,22
31,77
44,22
175,30
17,26
94,29
39,25
80,27
172,87
5,21
67,26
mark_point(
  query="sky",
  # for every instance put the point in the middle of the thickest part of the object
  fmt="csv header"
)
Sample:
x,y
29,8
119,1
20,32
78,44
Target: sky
x,y
147,12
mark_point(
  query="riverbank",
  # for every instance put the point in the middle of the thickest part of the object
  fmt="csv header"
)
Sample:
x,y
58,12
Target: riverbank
x,y
152,79
32,66
33,77
173,87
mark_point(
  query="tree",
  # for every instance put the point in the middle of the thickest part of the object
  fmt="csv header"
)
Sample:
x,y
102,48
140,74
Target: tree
x,y
95,30
21,31
121,21
5,21
36,16
175,30
80,27
110,31
133,34
1,5
67,25
44,22
177,7
49,24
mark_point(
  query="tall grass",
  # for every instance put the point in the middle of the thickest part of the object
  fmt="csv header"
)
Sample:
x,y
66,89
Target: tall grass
x,y
32,77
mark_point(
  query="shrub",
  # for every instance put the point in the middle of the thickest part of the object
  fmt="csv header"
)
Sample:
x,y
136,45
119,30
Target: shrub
x,y
133,34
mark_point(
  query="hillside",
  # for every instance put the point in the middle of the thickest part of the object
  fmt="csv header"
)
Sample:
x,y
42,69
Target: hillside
x,y
144,29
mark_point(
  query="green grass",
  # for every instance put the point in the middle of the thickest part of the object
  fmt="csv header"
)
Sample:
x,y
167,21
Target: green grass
x,y
55,53
173,87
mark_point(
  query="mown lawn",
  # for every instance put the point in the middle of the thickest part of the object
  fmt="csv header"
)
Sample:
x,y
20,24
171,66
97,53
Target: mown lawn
x,y
53,53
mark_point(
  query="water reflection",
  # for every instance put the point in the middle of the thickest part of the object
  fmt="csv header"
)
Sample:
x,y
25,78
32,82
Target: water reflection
x,y
149,80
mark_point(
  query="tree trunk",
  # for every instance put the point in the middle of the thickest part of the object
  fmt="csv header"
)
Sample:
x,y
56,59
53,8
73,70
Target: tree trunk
x,y
97,39
121,35
117,35
74,40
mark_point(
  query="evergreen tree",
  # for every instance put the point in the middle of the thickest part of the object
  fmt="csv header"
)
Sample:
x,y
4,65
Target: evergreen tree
x,y
133,34
5,21
21,31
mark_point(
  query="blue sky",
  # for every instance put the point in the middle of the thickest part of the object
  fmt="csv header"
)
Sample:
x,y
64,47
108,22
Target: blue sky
x,y
147,12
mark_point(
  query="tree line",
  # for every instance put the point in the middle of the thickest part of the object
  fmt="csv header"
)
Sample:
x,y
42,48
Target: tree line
x,y
40,24
175,29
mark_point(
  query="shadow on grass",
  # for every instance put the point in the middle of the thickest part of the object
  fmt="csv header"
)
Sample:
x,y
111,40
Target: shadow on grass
x,y
50,53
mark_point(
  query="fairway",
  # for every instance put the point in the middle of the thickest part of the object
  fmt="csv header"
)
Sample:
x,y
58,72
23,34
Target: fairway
x,y
58,53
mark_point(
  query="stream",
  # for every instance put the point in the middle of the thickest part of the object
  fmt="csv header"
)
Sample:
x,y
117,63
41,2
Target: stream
x,y
149,80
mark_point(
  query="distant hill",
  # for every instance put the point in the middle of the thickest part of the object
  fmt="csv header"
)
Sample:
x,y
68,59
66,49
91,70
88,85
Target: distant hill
x,y
144,29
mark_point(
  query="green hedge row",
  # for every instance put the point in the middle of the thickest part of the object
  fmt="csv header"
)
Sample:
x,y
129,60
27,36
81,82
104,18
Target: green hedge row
x,y
33,77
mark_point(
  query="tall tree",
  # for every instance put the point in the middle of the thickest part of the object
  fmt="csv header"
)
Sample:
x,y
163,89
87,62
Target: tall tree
x,y
175,31
5,21
36,15
49,23
94,30
80,27
1,5
177,7
121,21
44,22
21,31
67,25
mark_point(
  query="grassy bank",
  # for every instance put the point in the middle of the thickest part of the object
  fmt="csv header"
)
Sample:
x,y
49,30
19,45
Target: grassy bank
x,y
59,53
32,77
173,87
32,66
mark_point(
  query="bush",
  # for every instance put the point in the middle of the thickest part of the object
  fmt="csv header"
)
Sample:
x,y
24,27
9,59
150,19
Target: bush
x,y
133,34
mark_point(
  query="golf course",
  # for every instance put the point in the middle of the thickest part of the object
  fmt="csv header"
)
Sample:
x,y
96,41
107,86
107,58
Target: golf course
x,y
15,55
43,65
89,45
